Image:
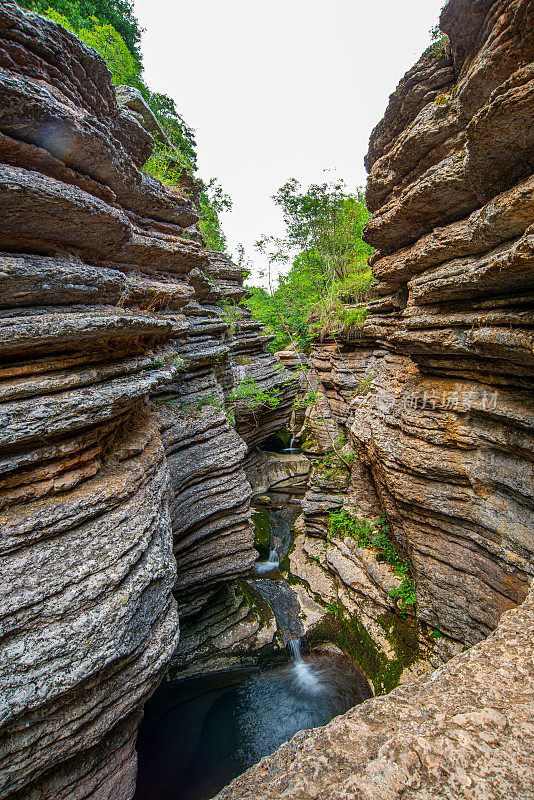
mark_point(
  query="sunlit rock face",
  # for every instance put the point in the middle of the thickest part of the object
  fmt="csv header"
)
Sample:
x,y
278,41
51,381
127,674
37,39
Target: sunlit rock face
x,y
434,395
115,451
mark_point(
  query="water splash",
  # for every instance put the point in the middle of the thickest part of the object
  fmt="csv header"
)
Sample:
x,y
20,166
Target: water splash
x,y
263,567
304,677
291,448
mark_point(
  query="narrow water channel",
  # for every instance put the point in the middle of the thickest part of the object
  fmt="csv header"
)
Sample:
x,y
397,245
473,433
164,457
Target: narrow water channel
x,y
200,733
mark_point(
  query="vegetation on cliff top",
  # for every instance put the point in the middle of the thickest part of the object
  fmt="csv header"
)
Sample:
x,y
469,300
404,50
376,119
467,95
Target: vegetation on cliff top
x,y
329,278
110,28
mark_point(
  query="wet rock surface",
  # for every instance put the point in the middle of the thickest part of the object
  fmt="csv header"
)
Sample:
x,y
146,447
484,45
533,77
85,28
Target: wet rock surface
x,y
465,732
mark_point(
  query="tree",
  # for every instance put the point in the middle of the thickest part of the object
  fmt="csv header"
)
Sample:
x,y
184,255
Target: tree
x,y
325,224
82,14
213,201
327,258
108,43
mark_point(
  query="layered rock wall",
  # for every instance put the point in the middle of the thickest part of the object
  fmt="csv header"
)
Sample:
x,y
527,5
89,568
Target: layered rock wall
x,y
436,385
223,623
107,297
431,398
451,449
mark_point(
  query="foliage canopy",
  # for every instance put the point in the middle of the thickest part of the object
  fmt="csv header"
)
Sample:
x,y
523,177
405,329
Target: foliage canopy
x,y
85,14
110,27
328,263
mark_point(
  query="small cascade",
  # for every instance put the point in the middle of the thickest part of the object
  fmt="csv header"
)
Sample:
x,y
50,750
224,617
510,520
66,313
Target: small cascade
x,y
232,720
306,678
263,567
291,448
274,587
293,647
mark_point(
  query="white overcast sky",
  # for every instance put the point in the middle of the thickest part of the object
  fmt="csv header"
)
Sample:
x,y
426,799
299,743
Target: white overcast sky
x,y
282,89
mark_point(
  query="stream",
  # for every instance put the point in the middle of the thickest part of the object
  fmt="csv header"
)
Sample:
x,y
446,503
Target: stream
x,y
200,733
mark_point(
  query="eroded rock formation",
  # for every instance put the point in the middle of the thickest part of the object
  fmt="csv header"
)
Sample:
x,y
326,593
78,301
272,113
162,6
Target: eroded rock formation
x,y
454,436
107,297
425,414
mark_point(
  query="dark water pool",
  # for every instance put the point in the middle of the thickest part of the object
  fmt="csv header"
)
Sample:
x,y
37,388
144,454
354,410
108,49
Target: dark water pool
x,y
199,734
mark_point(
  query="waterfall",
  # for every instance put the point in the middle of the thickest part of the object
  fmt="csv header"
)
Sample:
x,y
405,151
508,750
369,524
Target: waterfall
x,y
291,448
294,650
306,679
261,567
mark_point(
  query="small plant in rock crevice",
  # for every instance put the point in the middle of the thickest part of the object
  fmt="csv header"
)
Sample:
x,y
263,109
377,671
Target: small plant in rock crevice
x,y
335,464
231,314
336,609
363,387
253,396
375,534
440,43
307,399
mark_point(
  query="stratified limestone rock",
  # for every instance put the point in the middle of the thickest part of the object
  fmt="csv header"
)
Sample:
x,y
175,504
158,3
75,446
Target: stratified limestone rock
x,y
106,298
214,542
461,511
88,618
210,509
79,457
464,733
251,364
437,389
73,114
446,427
234,631
277,471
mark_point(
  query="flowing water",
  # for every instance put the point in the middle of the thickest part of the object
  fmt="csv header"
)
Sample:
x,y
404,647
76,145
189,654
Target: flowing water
x,y
199,734
263,567
291,448
273,586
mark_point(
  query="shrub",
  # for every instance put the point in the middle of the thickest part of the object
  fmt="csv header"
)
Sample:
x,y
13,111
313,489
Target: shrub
x,y
375,534
252,396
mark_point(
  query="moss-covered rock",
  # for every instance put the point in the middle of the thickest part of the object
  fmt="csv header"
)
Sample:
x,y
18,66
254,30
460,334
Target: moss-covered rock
x,y
350,635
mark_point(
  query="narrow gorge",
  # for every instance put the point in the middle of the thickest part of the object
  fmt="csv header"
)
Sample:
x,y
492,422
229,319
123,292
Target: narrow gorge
x,y
152,537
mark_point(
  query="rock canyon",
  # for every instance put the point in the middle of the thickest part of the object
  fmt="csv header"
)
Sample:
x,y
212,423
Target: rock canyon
x,y
131,450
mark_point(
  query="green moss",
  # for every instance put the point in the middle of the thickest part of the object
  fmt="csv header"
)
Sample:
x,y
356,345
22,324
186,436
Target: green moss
x,y
284,565
262,531
348,633
403,634
256,602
